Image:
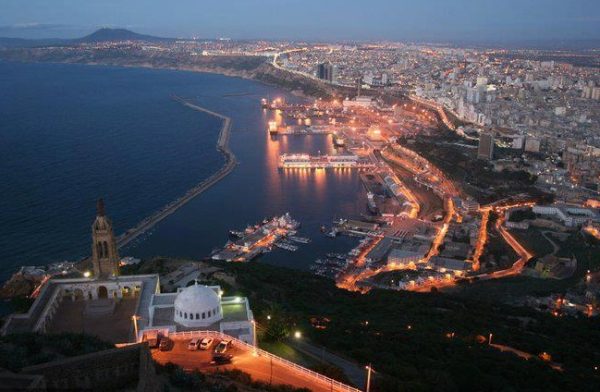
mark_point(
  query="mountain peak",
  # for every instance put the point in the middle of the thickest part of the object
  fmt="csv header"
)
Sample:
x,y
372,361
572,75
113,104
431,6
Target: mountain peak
x,y
117,34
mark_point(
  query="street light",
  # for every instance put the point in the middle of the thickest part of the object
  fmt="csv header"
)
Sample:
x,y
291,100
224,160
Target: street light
x,y
297,334
135,318
369,370
255,352
87,274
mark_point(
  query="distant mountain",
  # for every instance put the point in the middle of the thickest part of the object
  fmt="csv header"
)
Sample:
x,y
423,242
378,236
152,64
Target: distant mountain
x,y
102,35
106,34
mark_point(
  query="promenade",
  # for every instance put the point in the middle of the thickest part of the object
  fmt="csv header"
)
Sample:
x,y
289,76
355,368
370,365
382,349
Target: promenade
x,y
228,166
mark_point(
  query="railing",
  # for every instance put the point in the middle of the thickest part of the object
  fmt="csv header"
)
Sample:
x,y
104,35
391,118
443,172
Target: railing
x,y
41,322
284,362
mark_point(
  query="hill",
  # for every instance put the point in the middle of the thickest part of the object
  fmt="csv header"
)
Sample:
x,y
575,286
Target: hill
x,y
423,342
107,34
101,35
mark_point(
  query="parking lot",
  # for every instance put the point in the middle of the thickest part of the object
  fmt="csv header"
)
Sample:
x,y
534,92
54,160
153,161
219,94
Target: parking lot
x,y
258,366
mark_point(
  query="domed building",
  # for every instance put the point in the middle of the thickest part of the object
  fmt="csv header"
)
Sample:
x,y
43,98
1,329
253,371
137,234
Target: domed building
x,y
197,306
200,307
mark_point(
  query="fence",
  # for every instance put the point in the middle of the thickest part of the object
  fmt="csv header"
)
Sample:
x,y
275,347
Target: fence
x,y
283,362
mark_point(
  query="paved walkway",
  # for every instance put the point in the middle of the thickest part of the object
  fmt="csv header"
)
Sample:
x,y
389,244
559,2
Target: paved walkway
x,y
555,247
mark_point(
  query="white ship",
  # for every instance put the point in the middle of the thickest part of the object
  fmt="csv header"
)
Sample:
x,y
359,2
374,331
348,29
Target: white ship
x,y
299,161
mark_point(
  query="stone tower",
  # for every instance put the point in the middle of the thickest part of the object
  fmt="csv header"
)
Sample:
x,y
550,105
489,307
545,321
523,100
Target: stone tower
x,y
105,257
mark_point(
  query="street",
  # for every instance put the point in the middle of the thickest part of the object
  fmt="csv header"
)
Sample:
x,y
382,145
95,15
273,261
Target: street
x,y
259,366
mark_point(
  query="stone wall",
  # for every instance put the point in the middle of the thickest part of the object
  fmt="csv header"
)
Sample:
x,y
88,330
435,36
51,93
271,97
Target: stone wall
x,y
127,367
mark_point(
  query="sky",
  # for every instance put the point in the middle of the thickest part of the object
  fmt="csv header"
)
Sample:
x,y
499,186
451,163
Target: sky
x,y
416,20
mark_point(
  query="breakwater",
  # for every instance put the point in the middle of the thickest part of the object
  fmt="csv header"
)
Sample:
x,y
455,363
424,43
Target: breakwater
x,y
228,166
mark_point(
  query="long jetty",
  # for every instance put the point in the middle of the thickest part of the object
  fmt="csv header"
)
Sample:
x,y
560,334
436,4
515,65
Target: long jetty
x,y
228,166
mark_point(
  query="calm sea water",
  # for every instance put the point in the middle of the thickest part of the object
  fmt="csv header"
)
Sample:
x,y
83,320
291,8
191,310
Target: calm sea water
x,y
70,134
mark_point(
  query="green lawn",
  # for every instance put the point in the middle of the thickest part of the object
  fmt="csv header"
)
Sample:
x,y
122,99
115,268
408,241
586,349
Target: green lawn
x,y
534,241
284,351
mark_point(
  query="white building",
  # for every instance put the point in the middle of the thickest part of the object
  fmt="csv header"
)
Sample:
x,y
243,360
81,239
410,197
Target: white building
x,y
360,101
570,216
200,307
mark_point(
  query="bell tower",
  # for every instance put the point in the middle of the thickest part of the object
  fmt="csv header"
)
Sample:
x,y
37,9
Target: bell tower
x,y
105,257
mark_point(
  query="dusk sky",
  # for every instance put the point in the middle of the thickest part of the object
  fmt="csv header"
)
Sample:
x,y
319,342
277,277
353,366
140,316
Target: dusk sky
x,y
436,20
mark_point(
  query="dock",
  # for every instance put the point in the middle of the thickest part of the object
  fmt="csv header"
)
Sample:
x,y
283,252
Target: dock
x,y
305,161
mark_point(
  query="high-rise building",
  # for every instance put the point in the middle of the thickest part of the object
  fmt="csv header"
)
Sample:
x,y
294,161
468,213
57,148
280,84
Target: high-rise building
x,y
325,71
486,146
105,258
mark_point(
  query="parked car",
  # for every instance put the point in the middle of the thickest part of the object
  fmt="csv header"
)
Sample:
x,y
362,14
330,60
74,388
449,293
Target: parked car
x,y
166,344
222,346
152,338
206,343
222,359
194,344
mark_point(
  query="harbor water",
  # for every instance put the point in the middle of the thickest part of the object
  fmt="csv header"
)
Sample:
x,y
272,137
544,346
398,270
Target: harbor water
x,y
72,133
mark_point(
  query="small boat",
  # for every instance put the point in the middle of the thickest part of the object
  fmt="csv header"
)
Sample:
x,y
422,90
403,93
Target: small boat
x,y
302,240
286,246
236,234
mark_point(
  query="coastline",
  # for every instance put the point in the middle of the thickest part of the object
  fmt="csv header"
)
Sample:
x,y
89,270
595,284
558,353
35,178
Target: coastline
x,y
264,72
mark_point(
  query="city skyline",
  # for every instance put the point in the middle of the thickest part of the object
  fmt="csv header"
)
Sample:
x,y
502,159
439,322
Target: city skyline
x,y
459,21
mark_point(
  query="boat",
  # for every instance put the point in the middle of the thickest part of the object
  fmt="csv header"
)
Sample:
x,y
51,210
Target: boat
x,y
236,234
273,128
286,246
371,203
302,240
333,233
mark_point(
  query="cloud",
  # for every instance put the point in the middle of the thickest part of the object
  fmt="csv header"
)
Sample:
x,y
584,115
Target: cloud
x,y
33,26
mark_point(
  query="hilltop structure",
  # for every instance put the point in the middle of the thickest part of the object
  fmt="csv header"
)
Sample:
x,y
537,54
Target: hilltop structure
x,y
105,257
123,308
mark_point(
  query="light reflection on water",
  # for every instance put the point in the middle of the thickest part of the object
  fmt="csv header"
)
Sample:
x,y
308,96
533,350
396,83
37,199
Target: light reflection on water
x,y
257,189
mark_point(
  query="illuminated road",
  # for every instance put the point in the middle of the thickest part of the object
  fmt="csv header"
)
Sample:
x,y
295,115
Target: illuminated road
x,y
524,255
260,367
482,238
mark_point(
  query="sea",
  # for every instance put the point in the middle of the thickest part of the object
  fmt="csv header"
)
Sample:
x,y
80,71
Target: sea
x,y
70,134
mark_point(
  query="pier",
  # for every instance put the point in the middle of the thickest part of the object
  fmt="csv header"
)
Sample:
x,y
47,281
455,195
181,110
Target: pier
x,y
228,166
305,161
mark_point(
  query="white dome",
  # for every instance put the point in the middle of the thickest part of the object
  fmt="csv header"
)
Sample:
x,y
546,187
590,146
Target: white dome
x,y
197,306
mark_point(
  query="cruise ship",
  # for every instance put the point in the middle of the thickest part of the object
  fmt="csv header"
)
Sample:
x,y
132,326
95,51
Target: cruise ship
x,y
300,161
